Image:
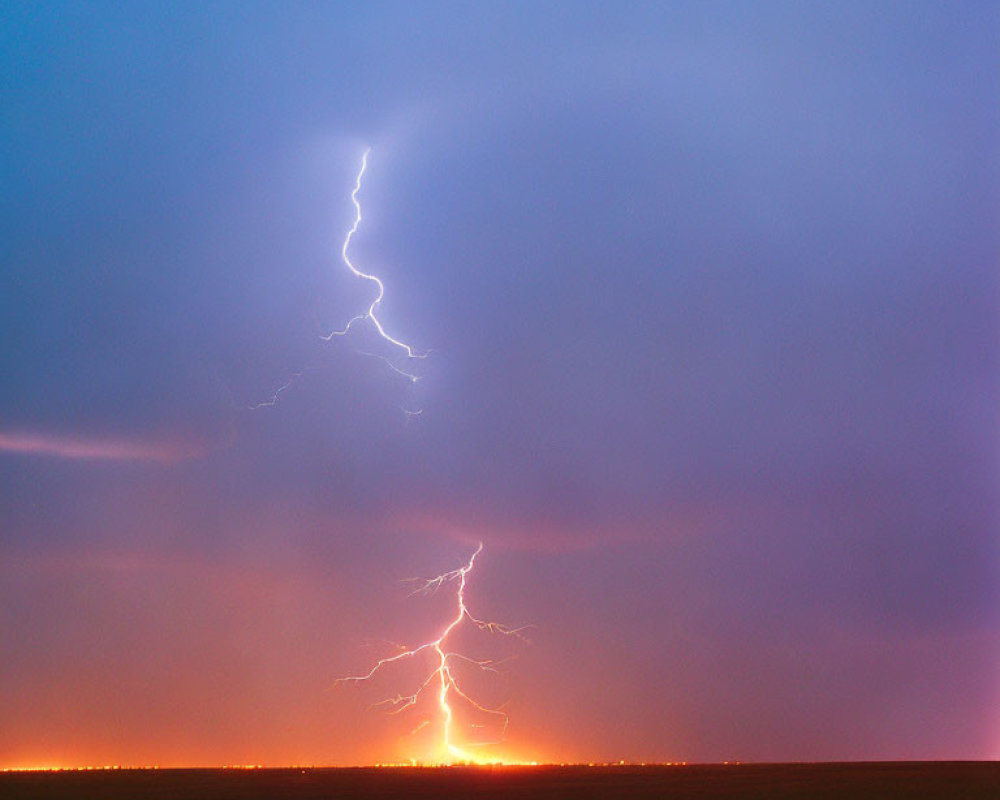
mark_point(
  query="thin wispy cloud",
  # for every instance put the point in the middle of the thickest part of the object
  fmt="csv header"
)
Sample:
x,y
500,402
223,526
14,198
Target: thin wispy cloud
x,y
98,448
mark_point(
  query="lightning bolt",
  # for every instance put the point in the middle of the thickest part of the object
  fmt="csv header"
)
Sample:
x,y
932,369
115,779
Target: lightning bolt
x,y
369,315
273,399
442,677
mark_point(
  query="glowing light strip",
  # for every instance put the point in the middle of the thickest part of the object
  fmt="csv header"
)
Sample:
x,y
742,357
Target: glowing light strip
x,y
96,448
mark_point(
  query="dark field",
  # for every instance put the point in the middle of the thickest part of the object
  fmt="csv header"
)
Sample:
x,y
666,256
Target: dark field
x,y
775,781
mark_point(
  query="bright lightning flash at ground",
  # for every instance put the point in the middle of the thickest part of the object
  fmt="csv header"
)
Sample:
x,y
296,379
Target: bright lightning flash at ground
x,y
442,680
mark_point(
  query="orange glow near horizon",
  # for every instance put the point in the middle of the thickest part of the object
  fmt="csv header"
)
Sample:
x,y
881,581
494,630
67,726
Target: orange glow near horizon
x,y
447,685
485,764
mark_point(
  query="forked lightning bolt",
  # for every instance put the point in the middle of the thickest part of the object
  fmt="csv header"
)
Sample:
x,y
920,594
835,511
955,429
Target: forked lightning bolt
x,y
380,287
369,315
442,677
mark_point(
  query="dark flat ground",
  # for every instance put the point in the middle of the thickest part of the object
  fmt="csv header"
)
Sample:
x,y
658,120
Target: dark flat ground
x,y
977,779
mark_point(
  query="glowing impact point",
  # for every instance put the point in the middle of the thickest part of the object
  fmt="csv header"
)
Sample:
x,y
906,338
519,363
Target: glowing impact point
x,y
443,675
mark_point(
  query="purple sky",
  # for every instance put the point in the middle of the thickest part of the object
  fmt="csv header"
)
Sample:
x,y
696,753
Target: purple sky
x,y
710,293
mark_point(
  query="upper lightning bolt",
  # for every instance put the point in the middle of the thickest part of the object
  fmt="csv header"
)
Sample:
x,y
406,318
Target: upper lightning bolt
x,y
370,314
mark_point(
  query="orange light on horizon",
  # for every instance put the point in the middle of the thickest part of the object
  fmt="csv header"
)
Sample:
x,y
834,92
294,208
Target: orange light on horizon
x,y
449,752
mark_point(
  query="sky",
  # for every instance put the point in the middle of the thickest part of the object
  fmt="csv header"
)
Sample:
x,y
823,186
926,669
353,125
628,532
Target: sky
x,y
708,294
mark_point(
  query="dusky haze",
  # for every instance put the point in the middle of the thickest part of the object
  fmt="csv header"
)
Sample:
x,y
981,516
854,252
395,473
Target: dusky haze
x,y
710,297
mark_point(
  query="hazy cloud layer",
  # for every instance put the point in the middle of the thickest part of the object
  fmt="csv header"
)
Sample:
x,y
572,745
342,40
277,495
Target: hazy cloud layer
x,y
711,302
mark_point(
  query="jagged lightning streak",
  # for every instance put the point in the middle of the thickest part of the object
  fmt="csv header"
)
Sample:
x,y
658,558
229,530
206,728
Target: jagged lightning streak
x,y
443,675
370,314
379,294
273,399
